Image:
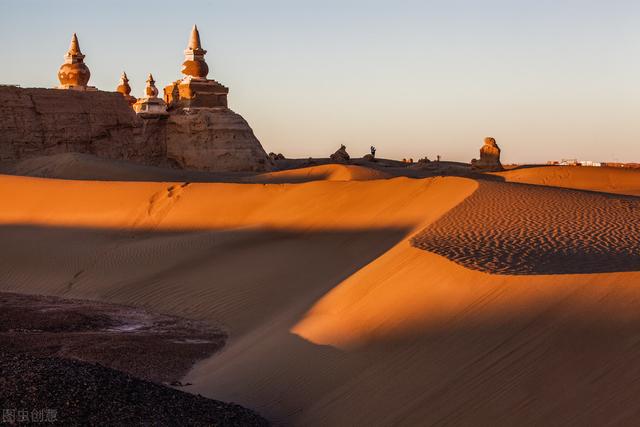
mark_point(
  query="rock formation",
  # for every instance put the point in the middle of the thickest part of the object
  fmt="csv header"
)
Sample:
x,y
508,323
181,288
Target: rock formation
x,y
150,105
194,89
214,140
197,131
341,155
489,156
74,73
125,89
202,132
36,122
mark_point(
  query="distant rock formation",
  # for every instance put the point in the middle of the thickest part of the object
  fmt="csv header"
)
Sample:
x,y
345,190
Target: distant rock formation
x,y
273,156
341,155
489,156
37,122
196,130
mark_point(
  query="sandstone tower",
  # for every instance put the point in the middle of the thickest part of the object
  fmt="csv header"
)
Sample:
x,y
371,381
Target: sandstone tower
x,y
125,89
74,73
198,131
194,89
489,156
224,141
150,105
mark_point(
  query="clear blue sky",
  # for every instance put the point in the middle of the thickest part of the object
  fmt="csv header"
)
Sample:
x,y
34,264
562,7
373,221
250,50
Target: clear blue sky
x,y
549,79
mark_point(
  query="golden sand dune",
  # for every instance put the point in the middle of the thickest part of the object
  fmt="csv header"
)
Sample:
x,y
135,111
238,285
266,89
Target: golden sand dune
x,y
333,317
523,229
86,166
329,172
79,166
605,179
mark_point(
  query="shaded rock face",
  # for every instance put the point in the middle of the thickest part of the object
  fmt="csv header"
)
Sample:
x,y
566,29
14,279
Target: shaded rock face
x,y
489,156
214,140
37,122
341,155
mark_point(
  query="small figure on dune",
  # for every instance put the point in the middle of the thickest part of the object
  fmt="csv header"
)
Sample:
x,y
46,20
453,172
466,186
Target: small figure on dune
x,y
373,151
489,156
341,155
438,158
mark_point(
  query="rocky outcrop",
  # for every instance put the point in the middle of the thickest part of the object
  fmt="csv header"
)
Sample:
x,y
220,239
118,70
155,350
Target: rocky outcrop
x,y
489,156
214,139
341,155
37,122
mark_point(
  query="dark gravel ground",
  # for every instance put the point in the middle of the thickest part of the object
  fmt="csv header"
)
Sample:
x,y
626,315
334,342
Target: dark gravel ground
x,y
150,346
71,392
77,362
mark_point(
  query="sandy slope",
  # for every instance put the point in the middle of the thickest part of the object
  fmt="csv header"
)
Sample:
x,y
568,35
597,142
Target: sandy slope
x,y
79,166
330,172
527,229
333,317
608,180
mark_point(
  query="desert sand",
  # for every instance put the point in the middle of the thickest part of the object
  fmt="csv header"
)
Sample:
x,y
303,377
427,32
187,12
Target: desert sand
x,y
359,298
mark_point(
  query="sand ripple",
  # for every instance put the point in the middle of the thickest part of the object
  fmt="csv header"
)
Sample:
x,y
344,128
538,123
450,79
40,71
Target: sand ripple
x,y
521,229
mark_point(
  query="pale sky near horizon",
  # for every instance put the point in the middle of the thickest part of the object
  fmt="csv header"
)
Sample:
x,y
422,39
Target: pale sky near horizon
x,y
549,79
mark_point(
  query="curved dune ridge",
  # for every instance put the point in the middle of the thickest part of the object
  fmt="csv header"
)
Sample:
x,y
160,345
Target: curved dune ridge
x,y
329,172
604,179
333,317
79,166
521,229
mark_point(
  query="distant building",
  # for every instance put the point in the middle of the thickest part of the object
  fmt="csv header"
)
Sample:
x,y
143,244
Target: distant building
x,y
590,163
569,162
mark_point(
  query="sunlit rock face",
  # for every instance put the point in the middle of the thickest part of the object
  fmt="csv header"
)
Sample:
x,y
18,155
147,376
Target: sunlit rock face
x,y
214,140
37,122
195,131
489,156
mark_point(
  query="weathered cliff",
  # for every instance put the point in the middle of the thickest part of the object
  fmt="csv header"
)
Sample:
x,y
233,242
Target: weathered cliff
x,y
214,140
36,122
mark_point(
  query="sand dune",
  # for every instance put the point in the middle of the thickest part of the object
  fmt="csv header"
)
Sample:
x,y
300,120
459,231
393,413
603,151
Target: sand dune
x,y
329,172
79,166
523,229
608,180
333,317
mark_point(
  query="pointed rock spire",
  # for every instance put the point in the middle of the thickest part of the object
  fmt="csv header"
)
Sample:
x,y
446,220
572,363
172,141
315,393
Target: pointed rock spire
x,y
151,91
74,73
74,46
194,40
125,89
150,105
194,65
